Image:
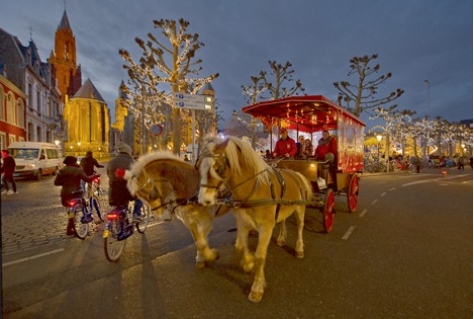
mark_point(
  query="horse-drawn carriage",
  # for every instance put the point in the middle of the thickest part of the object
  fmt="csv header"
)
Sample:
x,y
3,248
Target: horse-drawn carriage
x,y
312,115
260,196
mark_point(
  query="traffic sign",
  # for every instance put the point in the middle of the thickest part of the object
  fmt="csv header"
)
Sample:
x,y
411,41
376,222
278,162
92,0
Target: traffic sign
x,y
193,101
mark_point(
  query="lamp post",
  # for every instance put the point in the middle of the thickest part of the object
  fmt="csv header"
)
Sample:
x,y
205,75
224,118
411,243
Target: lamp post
x,y
379,138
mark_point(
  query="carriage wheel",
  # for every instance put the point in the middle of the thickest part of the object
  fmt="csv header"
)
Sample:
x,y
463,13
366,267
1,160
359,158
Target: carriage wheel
x,y
328,210
353,193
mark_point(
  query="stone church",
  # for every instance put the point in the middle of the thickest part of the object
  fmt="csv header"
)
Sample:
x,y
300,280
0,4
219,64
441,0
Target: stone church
x,y
86,114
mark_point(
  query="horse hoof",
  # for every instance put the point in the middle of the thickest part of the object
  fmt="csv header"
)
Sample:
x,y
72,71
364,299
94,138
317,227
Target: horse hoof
x,y
280,243
200,264
299,254
255,296
248,267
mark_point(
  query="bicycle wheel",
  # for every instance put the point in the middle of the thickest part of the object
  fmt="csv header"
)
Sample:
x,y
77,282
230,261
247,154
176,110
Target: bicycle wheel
x,y
81,229
103,203
141,226
96,207
112,246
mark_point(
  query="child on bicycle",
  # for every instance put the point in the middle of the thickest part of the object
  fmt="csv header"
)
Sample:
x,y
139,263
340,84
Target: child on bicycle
x,y
119,195
70,177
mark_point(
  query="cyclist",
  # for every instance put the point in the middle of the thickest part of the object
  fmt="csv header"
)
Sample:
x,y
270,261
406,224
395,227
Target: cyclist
x,y
70,177
89,162
119,195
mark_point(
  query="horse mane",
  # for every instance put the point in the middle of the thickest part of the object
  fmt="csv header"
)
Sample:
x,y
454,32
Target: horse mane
x,y
241,154
183,176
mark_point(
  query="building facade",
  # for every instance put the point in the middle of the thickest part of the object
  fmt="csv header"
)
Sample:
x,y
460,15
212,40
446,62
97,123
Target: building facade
x,y
22,66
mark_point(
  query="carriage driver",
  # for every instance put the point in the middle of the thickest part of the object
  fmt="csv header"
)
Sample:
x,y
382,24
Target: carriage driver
x,y
285,146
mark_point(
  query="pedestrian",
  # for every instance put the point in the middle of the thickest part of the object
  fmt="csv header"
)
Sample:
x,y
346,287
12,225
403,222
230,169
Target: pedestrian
x,y
186,159
460,162
119,195
285,146
417,163
8,169
470,161
70,177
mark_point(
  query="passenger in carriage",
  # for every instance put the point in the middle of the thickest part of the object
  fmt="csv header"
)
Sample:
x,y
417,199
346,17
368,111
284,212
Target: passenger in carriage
x,y
307,149
325,151
327,148
285,146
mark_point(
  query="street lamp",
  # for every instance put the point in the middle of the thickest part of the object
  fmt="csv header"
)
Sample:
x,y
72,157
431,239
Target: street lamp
x,y
379,138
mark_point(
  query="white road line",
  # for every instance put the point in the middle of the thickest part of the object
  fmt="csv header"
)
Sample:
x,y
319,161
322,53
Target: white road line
x,y
392,189
363,213
383,194
375,201
32,257
348,232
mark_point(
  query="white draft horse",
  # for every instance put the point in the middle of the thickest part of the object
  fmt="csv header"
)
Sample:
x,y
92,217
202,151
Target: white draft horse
x,y
167,185
261,196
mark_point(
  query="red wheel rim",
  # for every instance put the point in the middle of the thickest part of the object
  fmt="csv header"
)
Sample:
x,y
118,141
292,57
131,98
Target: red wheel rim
x,y
353,193
328,213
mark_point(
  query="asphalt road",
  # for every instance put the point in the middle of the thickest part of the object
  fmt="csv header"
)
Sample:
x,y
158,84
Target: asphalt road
x,y
405,253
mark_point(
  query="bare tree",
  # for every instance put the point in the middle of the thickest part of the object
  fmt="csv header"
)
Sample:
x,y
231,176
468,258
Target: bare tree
x,y
281,75
171,64
362,95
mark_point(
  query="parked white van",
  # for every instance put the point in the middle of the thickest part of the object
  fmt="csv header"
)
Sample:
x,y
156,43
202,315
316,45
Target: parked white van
x,y
35,159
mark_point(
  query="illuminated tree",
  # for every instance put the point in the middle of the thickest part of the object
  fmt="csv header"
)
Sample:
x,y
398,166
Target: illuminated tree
x,y
171,64
362,95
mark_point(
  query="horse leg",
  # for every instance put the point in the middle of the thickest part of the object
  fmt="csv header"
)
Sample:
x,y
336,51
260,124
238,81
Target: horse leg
x,y
241,244
258,286
200,227
299,248
282,234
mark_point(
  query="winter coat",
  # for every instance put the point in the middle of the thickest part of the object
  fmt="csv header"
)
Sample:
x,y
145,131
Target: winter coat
x,y
118,191
324,147
69,177
88,163
284,146
8,166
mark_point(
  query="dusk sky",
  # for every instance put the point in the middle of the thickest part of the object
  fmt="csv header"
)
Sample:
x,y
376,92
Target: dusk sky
x,y
416,40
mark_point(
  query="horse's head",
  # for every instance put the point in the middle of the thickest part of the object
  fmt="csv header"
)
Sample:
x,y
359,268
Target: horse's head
x,y
157,193
214,169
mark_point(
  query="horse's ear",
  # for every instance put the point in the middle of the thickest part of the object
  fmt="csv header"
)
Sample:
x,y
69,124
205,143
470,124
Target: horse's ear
x,y
221,142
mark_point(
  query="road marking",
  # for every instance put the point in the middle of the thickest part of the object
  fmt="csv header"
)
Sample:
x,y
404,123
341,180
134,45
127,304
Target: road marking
x,y
32,257
392,189
348,233
375,201
363,213
383,194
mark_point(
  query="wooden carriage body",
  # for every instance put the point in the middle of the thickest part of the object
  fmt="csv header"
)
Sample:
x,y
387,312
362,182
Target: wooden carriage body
x,y
311,114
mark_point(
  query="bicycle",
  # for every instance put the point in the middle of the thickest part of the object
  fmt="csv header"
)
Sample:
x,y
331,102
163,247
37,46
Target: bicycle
x,y
118,228
97,198
79,212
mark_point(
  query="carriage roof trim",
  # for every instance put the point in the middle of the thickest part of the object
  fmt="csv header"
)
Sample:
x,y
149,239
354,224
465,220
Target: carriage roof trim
x,y
309,113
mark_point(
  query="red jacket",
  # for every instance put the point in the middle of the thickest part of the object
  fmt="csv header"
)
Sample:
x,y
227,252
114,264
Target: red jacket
x,y
324,147
285,146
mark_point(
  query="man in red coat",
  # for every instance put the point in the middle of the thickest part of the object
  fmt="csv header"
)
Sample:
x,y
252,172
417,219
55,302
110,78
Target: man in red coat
x,y
285,146
327,148
8,168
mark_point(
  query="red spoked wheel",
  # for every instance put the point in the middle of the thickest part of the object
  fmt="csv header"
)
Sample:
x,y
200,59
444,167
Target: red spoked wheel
x,y
329,210
353,193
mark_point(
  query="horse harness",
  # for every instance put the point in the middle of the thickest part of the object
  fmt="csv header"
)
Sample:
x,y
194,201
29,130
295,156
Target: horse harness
x,y
248,203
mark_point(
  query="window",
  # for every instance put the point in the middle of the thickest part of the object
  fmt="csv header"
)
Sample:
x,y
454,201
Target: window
x,y
2,103
10,108
21,113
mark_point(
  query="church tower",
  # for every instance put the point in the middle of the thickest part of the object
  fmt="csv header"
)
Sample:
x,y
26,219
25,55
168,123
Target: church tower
x,y
88,122
63,60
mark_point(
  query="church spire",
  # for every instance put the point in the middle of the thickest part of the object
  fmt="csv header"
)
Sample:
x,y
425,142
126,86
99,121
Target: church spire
x,y
64,25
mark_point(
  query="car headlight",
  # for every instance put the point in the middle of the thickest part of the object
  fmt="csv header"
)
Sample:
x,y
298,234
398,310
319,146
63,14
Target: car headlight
x,y
31,166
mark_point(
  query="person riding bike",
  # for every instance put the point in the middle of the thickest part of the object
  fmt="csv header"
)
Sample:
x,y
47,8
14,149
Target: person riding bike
x,y
70,177
88,163
119,195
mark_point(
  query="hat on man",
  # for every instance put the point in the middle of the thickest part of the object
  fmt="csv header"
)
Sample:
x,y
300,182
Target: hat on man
x,y
124,148
70,160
